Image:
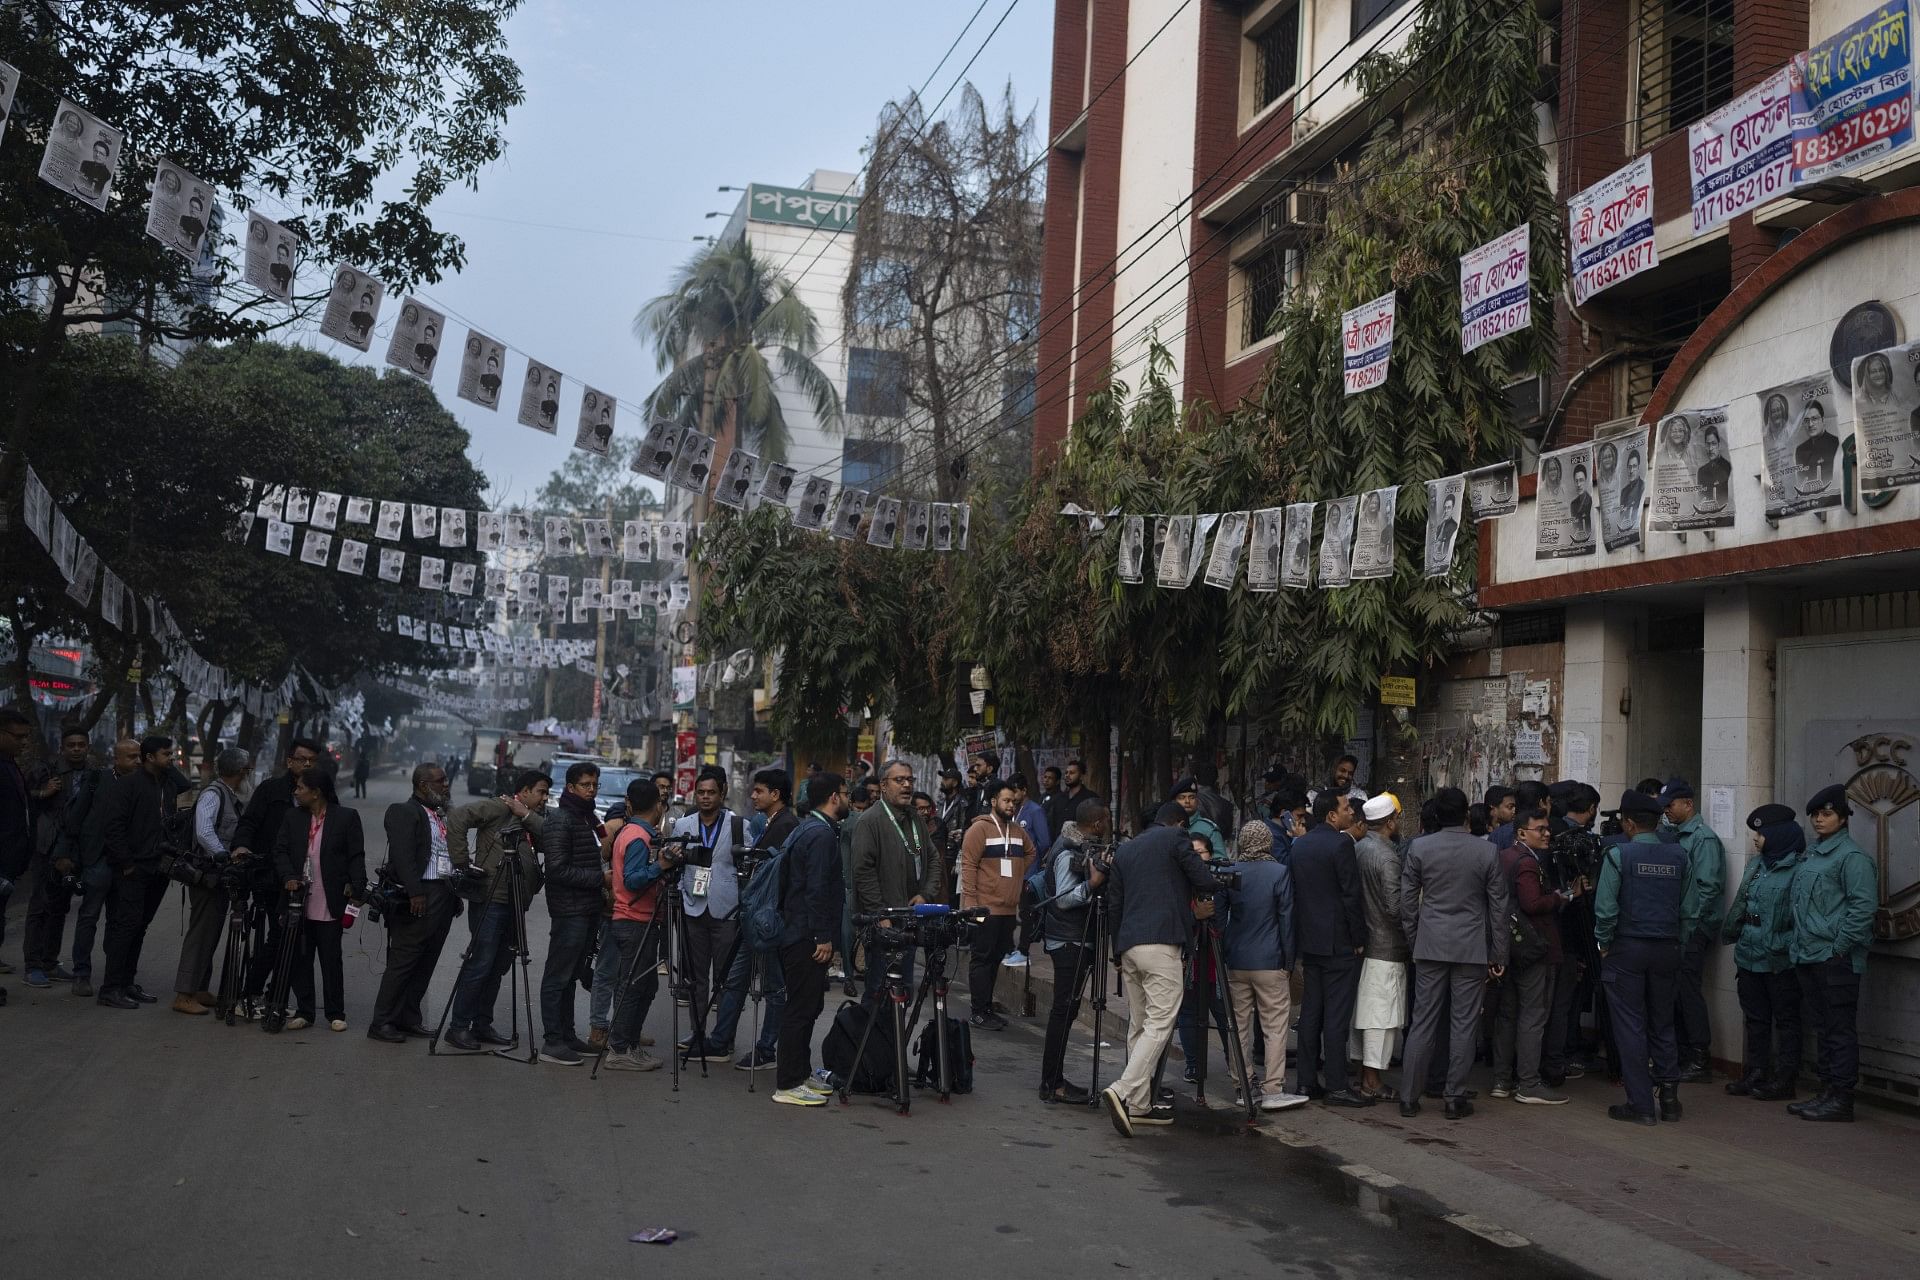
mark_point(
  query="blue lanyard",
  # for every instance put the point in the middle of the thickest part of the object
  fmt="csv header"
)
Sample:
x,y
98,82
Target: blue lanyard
x,y
709,836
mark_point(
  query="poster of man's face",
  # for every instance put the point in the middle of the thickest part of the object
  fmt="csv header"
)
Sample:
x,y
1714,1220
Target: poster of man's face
x,y
279,537
481,361
815,497
177,213
82,155
694,462
353,557
353,307
851,511
415,344
943,526
539,398
736,479
271,251
594,431
1133,548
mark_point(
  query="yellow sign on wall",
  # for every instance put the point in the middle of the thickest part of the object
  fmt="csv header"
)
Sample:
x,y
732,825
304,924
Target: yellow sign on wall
x,y
1396,691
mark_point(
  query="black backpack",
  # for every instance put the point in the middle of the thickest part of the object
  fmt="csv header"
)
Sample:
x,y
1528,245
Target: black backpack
x,y
874,1073
926,1072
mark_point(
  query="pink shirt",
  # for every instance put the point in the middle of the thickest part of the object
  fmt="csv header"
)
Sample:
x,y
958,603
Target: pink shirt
x,y
316,887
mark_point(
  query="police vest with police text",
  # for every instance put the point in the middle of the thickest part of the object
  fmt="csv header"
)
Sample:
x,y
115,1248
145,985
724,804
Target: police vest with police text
x,y
1653,879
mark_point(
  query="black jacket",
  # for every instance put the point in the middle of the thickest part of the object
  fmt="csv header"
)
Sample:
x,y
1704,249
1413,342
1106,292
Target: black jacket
x,y
133,814
267,807
84,788
343,855
410,844
570,852
1329,912
1155,875
813,888
782,825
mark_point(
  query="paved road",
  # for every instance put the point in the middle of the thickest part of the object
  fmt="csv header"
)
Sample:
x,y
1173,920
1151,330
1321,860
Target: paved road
x,y
162,1144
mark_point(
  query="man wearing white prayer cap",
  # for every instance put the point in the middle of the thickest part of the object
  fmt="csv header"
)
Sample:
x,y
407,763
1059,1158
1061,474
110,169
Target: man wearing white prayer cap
x,y
1380,1008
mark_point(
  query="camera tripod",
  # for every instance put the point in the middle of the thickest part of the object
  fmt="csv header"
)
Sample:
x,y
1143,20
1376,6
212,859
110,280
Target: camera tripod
x,y
665,933
273,1019
244,920
1207,950
1095,944
517,898
895,991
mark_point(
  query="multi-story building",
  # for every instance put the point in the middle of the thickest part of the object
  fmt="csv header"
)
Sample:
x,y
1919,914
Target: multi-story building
x,y
1760,660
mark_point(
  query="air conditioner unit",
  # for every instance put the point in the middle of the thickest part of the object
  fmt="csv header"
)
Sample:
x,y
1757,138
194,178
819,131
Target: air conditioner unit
x,y
1616,426
1304,127
1527,403
1292,215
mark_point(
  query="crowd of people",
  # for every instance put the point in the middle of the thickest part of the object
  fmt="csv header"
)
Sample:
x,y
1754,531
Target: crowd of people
x,y
1533,928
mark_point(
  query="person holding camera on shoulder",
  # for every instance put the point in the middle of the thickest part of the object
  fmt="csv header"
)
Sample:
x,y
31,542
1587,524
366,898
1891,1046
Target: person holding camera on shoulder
x,y
1074,876
418,857
216,816
133,821
576,894
514,822
1157,888
812,895
327,854
993,867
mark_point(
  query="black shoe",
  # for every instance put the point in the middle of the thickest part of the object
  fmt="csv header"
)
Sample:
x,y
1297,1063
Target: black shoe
x,y
491,1038
1836,1106
1315,1092
1409,1109
115,998
1440,1094
1780,1089
988,1022
1347,1098
1067,1091
1624,1111
1164,1097
581,1047
1458,1109
1696,1070
1552,1081
387,1034
463,1040
1669,1102
139,993
1801,1108
415,1030
1746,1084
1162,1113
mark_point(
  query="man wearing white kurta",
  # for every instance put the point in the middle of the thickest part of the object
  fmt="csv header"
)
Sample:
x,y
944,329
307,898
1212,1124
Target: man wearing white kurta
x,y
1380,1009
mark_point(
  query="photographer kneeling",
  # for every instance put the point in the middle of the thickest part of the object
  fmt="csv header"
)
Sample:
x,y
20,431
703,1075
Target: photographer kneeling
x,y
1074,878
516,820
1151,899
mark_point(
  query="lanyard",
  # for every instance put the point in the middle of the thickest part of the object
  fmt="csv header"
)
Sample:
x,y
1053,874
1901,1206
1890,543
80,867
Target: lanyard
x,y
439,823
913,846
710,836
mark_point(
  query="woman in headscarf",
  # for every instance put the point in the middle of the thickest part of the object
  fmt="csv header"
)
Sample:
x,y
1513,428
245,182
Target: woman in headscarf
x,y
1760,927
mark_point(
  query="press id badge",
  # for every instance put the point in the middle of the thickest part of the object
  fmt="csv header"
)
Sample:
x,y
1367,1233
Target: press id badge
x,y
702,877
1006,868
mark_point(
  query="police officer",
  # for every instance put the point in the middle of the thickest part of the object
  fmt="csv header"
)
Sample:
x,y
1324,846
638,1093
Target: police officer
x,y
1835,890
1701,910
1636,919
1760,927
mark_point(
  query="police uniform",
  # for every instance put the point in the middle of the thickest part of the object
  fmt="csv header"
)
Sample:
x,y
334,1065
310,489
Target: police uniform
x,y
1760,927
1835,891
1637,925
1701,914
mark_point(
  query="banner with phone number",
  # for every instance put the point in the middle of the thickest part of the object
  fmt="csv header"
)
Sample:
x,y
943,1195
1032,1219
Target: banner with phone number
x,y
1853,95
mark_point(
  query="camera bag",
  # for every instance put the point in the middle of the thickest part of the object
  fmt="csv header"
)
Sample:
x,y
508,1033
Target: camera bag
x,y
874,1073
926,1070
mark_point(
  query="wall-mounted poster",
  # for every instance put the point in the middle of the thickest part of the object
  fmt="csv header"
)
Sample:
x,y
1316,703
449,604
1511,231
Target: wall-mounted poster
x,y
1620,477
1565,504
1692,474
1886,417
1800,442
1443,523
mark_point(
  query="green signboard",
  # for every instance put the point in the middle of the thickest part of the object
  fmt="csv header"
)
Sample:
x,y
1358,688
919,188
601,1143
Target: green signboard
x,y
797,208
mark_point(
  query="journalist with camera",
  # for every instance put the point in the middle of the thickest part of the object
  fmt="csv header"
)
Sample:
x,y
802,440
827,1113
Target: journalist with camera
x,y
53,868
418,858
812,895
576,895
640,860
259,829
1158,887
134,825
216,817
710,890
1076,871
482,836
772,800
891,862
323,858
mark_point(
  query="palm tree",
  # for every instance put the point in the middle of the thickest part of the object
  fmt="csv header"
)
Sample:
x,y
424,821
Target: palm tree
x,y
728,331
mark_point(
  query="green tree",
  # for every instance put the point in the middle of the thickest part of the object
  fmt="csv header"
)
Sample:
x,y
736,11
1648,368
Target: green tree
x,y
728,333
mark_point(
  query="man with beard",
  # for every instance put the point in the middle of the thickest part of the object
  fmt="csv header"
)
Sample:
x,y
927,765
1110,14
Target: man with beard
x,y
419,854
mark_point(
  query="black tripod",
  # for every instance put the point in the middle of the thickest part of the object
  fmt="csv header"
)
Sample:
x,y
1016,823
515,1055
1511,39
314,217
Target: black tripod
x,y
897,946
273,1019
517,898
1095,944
1207,953
935,982
244,918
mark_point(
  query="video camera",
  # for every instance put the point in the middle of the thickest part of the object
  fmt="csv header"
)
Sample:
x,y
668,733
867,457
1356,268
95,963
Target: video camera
x,y
1577,853
933,924
387,898
1091,857
1225,870
192,868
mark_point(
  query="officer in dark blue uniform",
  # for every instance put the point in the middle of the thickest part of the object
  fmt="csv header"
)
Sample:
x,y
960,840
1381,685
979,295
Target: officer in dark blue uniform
x,y
1636,917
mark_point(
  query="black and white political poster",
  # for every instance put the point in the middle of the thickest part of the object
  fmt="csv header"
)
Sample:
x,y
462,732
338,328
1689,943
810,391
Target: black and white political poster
x,y
943,526
353,306
776,482
540,399
496,584
1801,446
272,504
670,543
884,529
359,511
559,531
353,557
1692,474
279,537
482,365
299,506
815,497
387,527
86,564
9,82
1336,541
460,577
326,510
82,154
1175,549
1620,477
1263,564
558,585
433,573
591,595
693,464
736,479
177,215
654,457
1494,491
393,564
680,595
272,255
1373,542
1229,544
316,547
636,542
916,529
38,504
453,527
598,536
1133,548
1886,417
519,531
852,509
426,520
1197,551
415,344
1564,504
962,521
594,431
1296,568
489,530
1443,523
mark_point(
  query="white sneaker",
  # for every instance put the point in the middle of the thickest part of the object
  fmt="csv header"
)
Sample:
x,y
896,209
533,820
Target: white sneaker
x,y
1282,1101
338,1024
297,1024
801,1097
822,1094
631,1060
1015,960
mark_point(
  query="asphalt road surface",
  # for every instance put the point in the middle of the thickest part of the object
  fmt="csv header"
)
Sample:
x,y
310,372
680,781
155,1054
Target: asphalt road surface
x,y
153,1144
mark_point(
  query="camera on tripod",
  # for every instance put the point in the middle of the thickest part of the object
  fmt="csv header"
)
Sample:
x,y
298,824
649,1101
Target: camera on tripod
x,y
1091,857
192,868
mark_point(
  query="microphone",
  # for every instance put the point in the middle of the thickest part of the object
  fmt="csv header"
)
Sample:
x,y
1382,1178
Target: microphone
x,y
932,909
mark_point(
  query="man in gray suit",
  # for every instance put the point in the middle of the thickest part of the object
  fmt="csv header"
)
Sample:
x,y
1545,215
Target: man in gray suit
x,y
1453,906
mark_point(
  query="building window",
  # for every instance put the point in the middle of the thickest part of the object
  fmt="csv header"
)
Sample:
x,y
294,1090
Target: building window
x,y
1265,280
876,382
1368,12
869,464
1663,322
1685,62
884,299
1276,58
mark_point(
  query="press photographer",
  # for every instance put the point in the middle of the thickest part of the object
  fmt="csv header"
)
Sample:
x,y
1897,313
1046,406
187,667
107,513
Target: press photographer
x,y
327,854
1076,870
891,862
417,857
576,895
216,817
635,875
259,829
134,820
812,893
494,826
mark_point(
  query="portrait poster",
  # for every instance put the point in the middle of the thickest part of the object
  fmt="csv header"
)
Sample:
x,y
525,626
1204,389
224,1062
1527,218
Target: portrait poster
x,y
693,464
177,215
654,457
1175,549
482,365
1133,548
1800,446
460,577
670,544
1296,566
387,527
962,521
1494,491
453,527
917,529
272,254
736,479
326,510
519,531
594,431
943,526
1373,541
1444,497
299,506
279,537
776,483
815,497
315,547
38,503
1564,504
1229,545
433,573
1263,565
597,533
636,542
1336,541
1620,478
415,344
489,530
353,307
353,557
426,521
559,532
82,154
848,514
495,584
540,399
884,529
359,511
1886,417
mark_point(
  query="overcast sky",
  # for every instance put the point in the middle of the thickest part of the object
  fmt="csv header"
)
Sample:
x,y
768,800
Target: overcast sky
x,y
636,111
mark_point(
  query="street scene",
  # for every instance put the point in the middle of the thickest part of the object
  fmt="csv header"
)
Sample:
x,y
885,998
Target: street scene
x,y
1160,636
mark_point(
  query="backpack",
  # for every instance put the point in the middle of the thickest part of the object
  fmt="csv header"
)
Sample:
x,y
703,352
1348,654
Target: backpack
x,y
874,1072
959,1057
760,918
1038,887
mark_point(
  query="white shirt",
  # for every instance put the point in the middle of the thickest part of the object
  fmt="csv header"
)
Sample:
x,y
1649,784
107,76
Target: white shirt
x,y
439,862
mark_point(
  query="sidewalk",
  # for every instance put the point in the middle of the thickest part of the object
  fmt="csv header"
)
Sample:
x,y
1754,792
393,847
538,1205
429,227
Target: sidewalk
x,y
1738,1187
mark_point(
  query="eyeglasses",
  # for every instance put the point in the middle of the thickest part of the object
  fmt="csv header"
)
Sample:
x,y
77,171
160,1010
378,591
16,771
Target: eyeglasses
x,y
901,780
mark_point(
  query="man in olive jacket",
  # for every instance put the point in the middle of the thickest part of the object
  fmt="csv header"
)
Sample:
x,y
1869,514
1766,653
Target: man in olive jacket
x,y
494,926
892,860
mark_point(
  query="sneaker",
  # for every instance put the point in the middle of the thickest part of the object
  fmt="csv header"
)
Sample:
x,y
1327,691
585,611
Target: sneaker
x,y
1161,1113
83,986
631,1060
1282,1101
1501,1089
559,1055
338,1024
294,1024
801,1097
1574,1071
1015,960
821,1081
988,1022
60,973
187,1004
37,978
825,1095
1539,1096
1117,1112
758,1060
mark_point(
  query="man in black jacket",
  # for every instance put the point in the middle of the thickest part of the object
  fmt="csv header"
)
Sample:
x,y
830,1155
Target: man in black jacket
x,y
772,796
576,898
418,854
80,838
1159,886
1330,920
253,842
133,820
50,792
812,892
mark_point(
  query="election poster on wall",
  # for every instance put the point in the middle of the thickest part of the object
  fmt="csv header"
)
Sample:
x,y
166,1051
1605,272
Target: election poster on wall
x,y
1366,343
1801,446
1443,523
1741,155
1336,542
1886,417
1610,229
1494,491
1565,501
1496,290
1373,535
1296,570
1692,474
1853,95
1620,479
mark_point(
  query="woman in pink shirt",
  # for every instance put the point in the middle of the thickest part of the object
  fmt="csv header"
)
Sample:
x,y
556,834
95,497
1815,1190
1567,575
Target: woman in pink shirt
x,y
321,846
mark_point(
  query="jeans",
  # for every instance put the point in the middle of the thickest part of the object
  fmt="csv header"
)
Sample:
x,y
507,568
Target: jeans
x,y
204,924
46,917
708,941
1069,971
131,906
991,943
606,968
319,939
636,947
98,880
489,957
1770,1008
1831,992
567,941
1520,1024
1199,1002
805,982
733,1000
